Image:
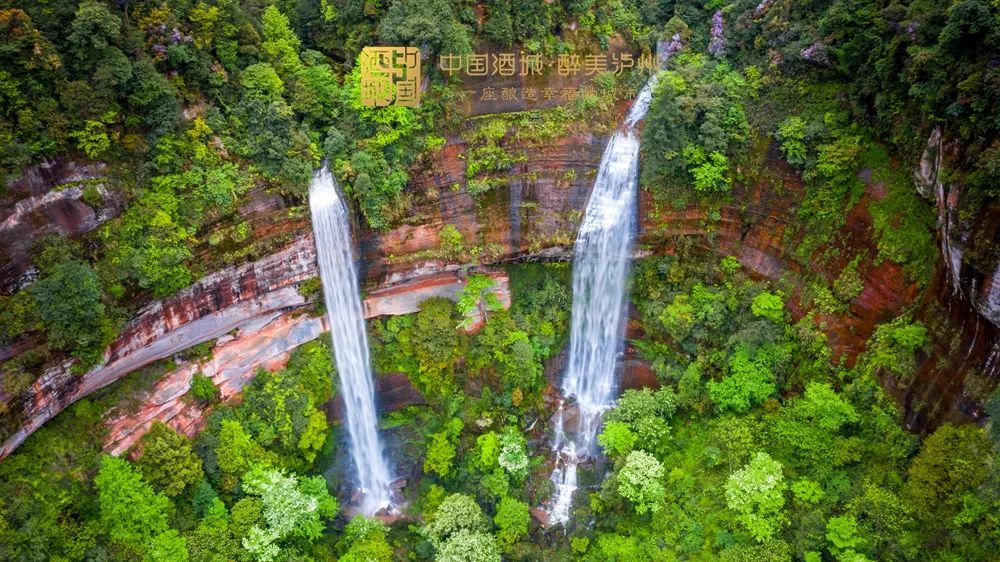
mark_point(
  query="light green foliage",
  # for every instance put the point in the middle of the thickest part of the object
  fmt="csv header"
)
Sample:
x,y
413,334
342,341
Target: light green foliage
x,y
203,389
441,448
132,513
645,413
262,81
843,534
167,461
893,347
709,171
93,138
365,541
512,520
293,507
640,481
280,43
168,547
756,493
807,492
617,439
236,453
468,546
770,306
693,313
791,134
458,512
477,295
812,429
452,243
284,410
513,456
148,245
750,381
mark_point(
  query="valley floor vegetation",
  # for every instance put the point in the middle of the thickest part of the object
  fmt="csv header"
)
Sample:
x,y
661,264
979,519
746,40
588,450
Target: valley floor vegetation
x,y
756,442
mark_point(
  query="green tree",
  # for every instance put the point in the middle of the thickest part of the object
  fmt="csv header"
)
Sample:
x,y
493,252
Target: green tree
x,y
469,546
512,520
770,306
458,512
952,461
280,45
237,453
441,449
261,81
132,513
750,381
292,507
617,439
756,493
641,482
365,541
167,461
70,303
513,456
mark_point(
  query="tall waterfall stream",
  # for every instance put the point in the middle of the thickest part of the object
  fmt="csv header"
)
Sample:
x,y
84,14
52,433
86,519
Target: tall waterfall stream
x,y
331,228
600,272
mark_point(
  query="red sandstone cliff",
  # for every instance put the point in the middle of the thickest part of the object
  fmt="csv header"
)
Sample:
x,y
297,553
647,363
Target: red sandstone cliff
x,y
537,217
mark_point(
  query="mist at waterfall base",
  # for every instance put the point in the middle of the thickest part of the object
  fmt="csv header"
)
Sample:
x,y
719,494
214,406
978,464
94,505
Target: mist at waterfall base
x,y
332,231
601,264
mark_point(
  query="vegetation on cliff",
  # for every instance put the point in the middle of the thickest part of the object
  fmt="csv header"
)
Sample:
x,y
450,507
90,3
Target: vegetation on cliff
x,y
753,437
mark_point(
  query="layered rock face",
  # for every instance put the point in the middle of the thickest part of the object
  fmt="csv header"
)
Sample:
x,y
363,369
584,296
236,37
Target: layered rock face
x,y
961,307
256,314
49,199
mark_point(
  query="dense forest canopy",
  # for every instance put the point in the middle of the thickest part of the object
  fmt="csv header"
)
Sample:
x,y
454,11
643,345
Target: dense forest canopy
x,y
760,442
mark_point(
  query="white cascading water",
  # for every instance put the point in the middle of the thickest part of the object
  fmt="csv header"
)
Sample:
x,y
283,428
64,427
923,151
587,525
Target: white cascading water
x,y
331,229
600,271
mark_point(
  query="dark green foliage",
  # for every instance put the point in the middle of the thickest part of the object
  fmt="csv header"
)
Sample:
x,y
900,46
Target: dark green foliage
x,y
696,124
425,346
756,446
70,304
429,23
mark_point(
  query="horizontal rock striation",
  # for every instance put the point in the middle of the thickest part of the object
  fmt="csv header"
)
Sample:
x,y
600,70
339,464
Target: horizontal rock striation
x,y
535,217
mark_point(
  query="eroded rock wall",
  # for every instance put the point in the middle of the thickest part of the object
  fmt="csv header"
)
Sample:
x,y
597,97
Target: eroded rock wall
x,y
536,218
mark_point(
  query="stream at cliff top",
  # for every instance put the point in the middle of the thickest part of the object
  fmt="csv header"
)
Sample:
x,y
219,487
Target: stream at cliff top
x,y
600,272
331,228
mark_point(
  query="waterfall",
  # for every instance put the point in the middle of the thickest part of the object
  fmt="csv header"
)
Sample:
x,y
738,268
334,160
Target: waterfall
x,y
600,272
331,228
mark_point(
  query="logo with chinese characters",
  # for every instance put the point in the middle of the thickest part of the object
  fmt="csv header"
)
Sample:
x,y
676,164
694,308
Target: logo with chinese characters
x,y
390,76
